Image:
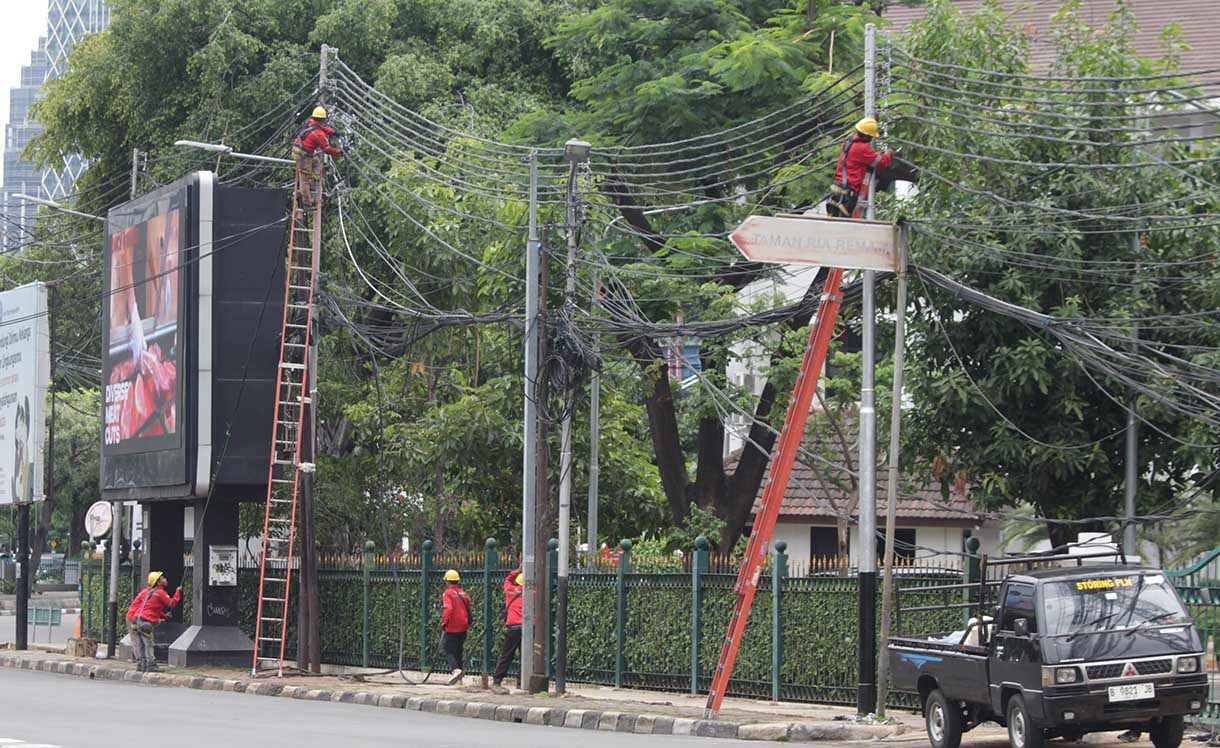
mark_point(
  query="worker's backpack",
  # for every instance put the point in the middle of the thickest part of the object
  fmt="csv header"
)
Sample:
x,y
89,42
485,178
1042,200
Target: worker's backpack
x,y
843,199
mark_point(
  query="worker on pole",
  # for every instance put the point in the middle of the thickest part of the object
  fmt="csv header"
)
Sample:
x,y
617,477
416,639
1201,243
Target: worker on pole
x,y
856,160
311,142
149,608
513,588
455,620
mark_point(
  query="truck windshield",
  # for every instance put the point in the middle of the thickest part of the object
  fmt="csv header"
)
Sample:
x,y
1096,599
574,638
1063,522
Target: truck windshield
x,y
1078,606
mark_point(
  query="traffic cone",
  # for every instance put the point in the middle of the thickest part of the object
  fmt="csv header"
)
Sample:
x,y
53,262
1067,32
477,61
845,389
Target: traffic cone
x,y
1209,661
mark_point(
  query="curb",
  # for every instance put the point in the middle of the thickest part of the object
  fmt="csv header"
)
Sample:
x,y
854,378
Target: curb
x,y
582,719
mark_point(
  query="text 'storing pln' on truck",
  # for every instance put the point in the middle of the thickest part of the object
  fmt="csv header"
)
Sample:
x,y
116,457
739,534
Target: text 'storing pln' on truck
x,y
1060,652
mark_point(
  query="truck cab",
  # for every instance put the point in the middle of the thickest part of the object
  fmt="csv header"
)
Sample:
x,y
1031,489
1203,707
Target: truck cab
x,y
1064,651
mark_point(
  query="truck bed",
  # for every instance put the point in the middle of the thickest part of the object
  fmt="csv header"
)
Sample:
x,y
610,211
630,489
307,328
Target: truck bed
x,y
960,670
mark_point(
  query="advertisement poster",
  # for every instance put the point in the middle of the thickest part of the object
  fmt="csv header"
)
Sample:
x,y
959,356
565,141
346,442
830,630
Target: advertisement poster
x,y
25,373
142,326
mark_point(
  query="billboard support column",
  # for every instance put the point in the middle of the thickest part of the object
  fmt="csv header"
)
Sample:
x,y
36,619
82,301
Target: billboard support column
x,y
23,572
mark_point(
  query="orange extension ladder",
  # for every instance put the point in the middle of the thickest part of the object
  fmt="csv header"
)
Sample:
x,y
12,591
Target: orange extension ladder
x,y
777,483
291,395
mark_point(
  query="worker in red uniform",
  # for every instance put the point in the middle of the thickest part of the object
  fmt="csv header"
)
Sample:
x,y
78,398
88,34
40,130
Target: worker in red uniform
x,y
512,624
150,607
455,620
856,160
311,142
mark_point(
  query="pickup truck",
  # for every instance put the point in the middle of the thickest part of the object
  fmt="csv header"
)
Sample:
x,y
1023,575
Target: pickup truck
x,y
1067,651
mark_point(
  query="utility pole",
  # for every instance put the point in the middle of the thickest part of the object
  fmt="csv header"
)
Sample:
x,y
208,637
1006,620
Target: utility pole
x,y
1129,542
309,646
529,470
595,422
867,659
891,488
23,573
576,152
116,508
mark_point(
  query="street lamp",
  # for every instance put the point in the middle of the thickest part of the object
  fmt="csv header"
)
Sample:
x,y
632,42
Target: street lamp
x,y
228,151
54,206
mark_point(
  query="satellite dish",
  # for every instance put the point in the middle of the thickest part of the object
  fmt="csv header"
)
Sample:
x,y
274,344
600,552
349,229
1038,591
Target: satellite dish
x,y
98,519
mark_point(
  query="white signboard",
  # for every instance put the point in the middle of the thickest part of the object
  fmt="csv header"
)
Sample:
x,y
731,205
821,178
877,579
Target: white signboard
x,y
829,242
222,565
25,373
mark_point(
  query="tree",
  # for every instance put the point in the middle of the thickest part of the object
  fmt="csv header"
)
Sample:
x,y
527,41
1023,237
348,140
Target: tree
x,y
1003,409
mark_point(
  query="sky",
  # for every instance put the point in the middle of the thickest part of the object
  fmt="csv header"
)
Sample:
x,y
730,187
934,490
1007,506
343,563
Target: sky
x,y
24,21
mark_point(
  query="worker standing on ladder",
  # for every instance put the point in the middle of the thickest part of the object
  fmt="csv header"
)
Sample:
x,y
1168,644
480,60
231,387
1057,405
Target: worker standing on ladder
x,y
856,160
311,142
455,620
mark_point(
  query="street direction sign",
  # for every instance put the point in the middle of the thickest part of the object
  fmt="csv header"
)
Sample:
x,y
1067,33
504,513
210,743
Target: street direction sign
x,y
830,242
98,519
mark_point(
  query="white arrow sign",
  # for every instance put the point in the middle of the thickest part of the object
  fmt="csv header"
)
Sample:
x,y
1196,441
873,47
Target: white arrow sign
x,y
830,242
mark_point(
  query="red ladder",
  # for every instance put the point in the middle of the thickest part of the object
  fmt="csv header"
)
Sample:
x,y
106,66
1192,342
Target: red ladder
x,y
777,483
291,396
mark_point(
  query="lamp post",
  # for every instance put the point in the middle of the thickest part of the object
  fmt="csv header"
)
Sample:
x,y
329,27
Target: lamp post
x,y
228,151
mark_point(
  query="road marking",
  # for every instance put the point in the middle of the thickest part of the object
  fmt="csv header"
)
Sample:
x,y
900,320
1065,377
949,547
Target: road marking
x,y
22,744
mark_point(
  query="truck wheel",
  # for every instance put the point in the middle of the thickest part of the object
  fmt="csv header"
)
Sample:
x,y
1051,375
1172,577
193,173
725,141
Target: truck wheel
x,y
944,721
1022,732
1168,732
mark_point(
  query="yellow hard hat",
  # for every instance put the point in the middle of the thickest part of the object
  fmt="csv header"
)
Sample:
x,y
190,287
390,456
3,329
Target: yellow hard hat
x,y
319,112
520,580
868,126
154,577
453,576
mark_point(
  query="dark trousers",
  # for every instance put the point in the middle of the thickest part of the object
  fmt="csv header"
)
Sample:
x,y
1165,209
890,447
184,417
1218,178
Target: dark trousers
x,y
452,644
508,650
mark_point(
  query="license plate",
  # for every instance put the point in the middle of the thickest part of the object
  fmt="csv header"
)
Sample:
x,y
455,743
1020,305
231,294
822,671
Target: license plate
x,y
1133,692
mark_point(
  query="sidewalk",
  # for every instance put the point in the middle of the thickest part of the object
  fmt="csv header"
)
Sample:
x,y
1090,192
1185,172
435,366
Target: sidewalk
x,y
585,707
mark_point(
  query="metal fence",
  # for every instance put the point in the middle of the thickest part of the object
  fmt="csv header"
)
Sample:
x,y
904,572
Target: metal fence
x,y
655,623
1199,586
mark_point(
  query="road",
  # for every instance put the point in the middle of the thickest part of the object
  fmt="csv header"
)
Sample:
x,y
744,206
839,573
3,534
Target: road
x,y
44,709
57,635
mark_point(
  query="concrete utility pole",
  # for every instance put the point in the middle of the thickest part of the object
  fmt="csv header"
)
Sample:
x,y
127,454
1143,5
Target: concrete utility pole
x,y
309,642
867,660
576,152
892,476
116,508
529,480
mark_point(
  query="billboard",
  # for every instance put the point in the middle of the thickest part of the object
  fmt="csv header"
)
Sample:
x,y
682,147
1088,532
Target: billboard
x,y
25,374
145,254
194,300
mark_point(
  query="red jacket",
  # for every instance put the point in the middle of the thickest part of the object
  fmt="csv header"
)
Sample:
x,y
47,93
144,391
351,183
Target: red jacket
x,y
860,158
315,136
512,599
455,610
158,607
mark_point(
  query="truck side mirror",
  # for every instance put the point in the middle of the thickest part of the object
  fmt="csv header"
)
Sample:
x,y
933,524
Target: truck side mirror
x,y
1020,627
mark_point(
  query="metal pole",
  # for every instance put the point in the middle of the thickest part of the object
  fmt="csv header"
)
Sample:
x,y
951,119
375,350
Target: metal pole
x,y
116,540
1129,541
565,459
529,480
865,694
891,489
595,426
